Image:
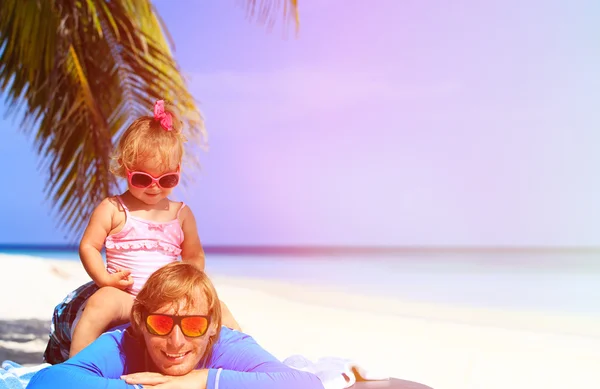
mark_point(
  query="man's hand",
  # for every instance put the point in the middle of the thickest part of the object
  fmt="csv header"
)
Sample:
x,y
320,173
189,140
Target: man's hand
x,y
196,379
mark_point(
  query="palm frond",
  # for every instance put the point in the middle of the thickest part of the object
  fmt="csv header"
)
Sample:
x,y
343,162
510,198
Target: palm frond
x,y
268,12
78,72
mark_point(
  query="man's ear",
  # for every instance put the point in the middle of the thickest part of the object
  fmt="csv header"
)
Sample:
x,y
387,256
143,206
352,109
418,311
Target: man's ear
x,y
212,330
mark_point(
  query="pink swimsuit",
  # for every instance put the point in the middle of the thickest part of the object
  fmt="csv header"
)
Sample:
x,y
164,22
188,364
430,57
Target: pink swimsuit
x,y
143,246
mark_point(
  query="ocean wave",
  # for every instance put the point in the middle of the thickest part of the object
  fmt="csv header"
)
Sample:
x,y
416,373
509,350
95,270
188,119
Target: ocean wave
x,y
33,346
17,337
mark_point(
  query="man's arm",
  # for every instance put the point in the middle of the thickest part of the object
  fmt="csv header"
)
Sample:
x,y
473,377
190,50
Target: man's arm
x,y
100,365
239,362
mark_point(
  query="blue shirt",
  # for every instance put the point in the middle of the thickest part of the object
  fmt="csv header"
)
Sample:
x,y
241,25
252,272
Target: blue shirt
x,y
237,362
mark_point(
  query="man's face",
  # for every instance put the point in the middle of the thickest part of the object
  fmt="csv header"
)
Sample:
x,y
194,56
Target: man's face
x,y
176,354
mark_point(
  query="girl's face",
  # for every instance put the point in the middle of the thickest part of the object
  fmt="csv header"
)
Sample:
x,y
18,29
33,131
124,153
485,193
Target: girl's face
x,y
150,182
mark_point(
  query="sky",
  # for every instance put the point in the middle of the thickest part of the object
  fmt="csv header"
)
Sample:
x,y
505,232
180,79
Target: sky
x,y
382,123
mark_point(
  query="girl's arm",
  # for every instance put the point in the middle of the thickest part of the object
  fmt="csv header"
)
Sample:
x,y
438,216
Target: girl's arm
x,y
191,248
91,244
100,365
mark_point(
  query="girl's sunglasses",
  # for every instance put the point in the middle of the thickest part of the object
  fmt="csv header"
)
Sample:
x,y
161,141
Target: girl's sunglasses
x,y
162,325
143,180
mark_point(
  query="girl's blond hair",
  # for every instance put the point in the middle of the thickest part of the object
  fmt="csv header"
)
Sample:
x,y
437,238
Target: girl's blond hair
x,y
171,284
146,139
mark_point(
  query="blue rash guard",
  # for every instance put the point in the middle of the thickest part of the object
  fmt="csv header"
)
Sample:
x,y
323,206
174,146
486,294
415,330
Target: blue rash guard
x,y
237,362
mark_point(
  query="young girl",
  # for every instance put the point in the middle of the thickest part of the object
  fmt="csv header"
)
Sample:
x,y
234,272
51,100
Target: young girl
x,y
141,230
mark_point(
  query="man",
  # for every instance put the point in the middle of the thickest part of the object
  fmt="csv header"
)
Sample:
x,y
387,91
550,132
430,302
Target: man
x,y
175,341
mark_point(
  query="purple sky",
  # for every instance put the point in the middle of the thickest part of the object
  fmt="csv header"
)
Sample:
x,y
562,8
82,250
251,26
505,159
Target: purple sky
x,y
398,123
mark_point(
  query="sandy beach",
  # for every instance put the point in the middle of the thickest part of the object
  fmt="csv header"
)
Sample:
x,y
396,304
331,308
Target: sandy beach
x,y
441,345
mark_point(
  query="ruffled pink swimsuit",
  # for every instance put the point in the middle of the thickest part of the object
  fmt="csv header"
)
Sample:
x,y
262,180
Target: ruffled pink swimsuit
x,y
143,246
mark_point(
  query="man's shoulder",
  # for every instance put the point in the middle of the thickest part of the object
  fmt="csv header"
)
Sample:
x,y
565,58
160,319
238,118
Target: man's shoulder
x,y
128,348
228,335
115,335
231,340
235,350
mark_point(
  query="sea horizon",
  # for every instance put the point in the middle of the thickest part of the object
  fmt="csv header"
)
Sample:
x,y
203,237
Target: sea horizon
x,y
300,250
562,281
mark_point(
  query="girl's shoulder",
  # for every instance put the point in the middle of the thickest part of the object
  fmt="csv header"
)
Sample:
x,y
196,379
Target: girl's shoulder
x,y
181,208
108,205
174,203
177,205
115,203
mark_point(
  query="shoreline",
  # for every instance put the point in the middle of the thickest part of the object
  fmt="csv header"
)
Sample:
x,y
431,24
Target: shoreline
x,y
444,346
58,277
463,314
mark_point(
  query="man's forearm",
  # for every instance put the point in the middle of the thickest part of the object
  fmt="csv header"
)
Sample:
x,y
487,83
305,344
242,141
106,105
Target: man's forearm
x,y
290,379
66,377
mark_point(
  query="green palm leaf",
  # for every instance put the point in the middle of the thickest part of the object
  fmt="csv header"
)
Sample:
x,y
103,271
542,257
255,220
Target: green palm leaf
x,y
79,71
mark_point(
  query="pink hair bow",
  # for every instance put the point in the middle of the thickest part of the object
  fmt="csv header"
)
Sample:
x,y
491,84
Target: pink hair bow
x,y
165,118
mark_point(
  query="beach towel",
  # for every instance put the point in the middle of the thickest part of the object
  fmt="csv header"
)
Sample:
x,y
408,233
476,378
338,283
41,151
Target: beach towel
x,y
15,376
335,372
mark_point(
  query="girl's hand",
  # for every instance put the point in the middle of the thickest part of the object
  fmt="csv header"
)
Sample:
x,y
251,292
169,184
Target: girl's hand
x,y
120,279
196,379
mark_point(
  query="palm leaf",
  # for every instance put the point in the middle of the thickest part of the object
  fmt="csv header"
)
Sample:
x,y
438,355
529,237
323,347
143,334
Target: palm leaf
x,y
78,72
269,11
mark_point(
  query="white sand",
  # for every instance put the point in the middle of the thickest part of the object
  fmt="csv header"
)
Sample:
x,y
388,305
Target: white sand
x,y
443,346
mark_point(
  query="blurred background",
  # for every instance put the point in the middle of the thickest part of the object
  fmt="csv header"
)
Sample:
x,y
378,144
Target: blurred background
x,y
449,147
387,123
410,182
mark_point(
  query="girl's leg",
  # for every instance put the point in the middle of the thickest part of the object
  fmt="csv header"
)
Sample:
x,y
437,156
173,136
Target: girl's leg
x,y
227,318
63,320
107,308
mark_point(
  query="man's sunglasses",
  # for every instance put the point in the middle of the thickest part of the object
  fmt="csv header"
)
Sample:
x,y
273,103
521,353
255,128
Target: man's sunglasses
x,y
143,180
162,325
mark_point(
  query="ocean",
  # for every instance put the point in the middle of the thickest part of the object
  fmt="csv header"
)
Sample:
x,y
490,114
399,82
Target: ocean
x,y
556,281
